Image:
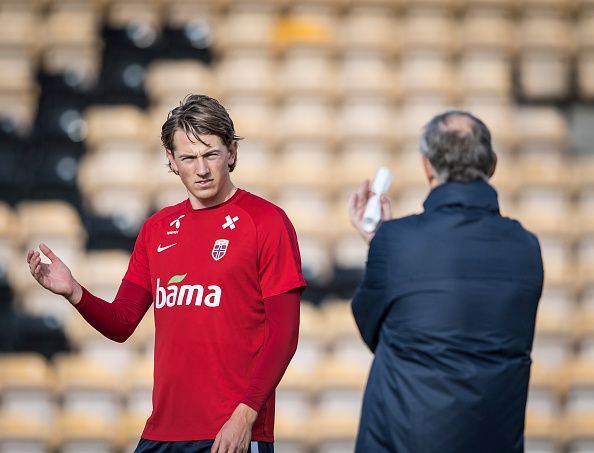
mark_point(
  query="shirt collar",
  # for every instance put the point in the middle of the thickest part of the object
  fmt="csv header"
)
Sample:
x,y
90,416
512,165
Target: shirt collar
x,y
475,194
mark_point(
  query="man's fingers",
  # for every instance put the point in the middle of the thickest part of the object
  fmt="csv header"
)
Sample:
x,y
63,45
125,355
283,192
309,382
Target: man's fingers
x,y
216,443
48,252
386,207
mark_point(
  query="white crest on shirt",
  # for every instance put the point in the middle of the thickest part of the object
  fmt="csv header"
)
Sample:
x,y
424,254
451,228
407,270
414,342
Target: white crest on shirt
x,y
219,249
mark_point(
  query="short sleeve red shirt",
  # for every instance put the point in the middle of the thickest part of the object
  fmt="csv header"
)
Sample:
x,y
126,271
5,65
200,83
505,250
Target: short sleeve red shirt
x,y
209,271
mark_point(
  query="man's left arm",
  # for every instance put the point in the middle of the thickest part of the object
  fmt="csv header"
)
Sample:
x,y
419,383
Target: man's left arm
x,y
280,344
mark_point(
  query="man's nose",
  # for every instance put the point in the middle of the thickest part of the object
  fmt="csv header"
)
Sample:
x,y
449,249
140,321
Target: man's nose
x,y
202,167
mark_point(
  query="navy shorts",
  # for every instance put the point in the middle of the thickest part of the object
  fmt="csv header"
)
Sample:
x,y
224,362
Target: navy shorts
x,y
194,446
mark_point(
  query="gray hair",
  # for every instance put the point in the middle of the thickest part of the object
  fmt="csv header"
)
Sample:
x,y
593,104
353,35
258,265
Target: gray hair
x,y
458,146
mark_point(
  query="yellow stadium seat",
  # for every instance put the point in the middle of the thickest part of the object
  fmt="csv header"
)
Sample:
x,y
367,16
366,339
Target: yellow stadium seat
x,y
27,386
428,73
80,432
305,117
115,124
306,71
87,387
370,27
428,27
249,72
368,118
303,171
367,72
334,433
246,26
487,27
72,23
190,77
485,73
25,434
139,387
252,116
307,208
542,433
130,427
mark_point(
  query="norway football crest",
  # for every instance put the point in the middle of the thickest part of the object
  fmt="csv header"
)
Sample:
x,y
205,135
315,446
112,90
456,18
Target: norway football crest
x,y
219,249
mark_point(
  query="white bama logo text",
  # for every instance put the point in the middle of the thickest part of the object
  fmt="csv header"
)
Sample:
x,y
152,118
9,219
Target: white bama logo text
x,y
172,295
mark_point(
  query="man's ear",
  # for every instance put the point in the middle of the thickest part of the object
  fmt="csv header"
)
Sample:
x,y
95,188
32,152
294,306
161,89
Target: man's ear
x,y
233,152
429,171
494,166
172,163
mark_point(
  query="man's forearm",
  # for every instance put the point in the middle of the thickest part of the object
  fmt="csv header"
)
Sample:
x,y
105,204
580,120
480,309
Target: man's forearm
x,y
116,320
282,314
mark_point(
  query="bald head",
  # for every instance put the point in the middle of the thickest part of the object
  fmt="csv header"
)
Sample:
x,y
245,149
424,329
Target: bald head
x,y
458,147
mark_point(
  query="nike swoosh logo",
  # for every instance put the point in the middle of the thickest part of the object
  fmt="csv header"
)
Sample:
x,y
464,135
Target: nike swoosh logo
x,y
160,249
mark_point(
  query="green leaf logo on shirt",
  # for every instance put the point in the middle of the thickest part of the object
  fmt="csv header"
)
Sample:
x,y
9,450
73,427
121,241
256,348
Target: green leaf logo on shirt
x,y
176,278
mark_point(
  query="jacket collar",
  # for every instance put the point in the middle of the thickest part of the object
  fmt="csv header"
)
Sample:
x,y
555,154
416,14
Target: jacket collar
x,y
476,194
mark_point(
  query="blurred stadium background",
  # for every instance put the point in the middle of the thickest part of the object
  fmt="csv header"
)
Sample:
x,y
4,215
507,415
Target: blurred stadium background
x,y
324,92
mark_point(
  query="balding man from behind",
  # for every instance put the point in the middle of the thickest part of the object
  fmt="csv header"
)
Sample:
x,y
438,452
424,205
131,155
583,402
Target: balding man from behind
x,y
448,305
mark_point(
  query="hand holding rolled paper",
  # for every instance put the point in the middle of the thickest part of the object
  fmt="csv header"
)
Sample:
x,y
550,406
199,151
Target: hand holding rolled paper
x,y
370,205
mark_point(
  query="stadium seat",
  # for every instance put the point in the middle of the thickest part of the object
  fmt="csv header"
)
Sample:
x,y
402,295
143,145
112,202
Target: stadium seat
x,y
291,435
541,127
370,27
485,73
253,117
71,23
25,434
543,209
367,72
544,75
334,432
130,426
356,161
428,27
190,77
304,165
427,72
27,387
310,25
247,72
88,388
542,433
307,208
245,26
487,27
306,71
139,387
257,163
86,433
305,117
366,118
544,394
552,340
114,124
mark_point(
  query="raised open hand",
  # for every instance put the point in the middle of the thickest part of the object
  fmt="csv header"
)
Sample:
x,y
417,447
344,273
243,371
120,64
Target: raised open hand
x,y
55,276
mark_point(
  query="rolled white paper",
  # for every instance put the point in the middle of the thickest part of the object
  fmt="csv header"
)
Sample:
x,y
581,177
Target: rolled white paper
x,y
373,210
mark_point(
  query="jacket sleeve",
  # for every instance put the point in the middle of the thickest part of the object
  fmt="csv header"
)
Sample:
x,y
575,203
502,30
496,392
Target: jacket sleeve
x,y
370,302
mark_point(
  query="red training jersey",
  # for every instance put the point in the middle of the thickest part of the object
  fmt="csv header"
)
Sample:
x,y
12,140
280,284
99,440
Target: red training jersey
x,y
209,271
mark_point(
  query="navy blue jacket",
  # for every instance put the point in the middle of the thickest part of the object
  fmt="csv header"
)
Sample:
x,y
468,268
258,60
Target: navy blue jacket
x,y
448,305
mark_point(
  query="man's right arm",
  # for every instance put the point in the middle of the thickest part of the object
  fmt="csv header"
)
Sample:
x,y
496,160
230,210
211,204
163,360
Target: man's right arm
x,y
116,320
370,302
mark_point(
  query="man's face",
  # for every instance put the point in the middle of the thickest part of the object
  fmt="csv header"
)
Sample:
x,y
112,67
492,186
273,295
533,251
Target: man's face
x,y
203,167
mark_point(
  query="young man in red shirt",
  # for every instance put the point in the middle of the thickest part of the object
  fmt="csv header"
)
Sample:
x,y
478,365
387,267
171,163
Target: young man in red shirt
x,y
223,270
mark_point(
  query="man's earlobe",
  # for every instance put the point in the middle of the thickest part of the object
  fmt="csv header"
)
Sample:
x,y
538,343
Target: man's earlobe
x,y
494,166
